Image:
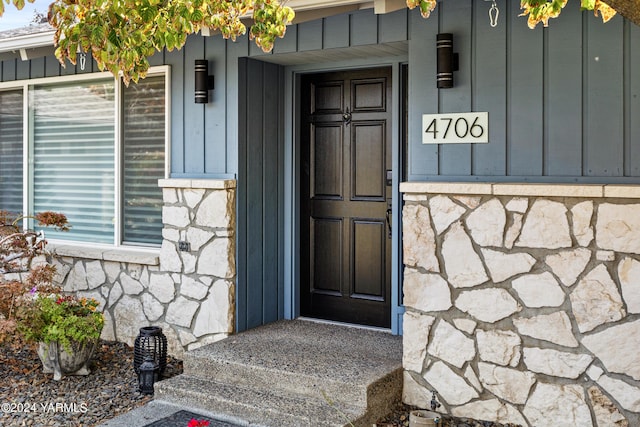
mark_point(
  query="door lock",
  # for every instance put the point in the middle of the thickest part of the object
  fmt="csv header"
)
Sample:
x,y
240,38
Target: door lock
x,y
346,117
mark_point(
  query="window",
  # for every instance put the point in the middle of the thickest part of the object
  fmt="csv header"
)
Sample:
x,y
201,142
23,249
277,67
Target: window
x,y
11,156
73,156
96,152
143,160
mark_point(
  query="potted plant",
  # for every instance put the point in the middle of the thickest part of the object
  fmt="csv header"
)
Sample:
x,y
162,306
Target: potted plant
x,y
65,326
18,247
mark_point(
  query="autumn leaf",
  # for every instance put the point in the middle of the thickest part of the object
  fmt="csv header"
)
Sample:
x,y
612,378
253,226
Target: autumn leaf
x,y
605,10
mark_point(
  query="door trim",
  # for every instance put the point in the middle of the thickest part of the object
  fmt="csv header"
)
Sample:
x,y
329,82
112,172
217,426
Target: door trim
x,y
292,183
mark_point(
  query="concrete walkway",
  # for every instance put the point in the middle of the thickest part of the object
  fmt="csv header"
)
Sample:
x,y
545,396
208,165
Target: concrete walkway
x,y
288,373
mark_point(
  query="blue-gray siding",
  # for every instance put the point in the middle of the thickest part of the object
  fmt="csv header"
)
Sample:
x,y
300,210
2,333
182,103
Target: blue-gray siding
x,y
562,101
259,284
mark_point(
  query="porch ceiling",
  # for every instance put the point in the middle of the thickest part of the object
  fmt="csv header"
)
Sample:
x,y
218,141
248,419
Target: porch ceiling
x,y
385,50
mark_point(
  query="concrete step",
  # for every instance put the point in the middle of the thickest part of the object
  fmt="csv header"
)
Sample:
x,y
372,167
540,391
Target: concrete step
x,y
304,358
286,373
256,406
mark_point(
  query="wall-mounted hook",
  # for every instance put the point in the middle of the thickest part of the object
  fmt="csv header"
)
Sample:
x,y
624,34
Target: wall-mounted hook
x,y
494,12
83,60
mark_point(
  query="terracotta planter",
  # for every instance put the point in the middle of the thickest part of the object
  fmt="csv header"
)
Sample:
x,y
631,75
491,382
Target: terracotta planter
x,y
57,360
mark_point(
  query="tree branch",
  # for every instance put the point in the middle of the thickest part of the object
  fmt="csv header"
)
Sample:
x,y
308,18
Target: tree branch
x,y
630,9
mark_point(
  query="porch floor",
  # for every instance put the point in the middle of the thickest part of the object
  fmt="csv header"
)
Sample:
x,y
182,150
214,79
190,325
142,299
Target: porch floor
x,y
289,373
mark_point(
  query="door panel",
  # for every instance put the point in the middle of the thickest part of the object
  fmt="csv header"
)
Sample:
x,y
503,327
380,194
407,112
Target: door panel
x,y
326,267
345,246
368,95
368,160
327,97
369,254
326,161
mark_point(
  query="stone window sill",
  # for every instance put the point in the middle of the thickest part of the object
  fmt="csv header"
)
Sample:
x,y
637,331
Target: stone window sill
x,y
208,184
541,190
149,256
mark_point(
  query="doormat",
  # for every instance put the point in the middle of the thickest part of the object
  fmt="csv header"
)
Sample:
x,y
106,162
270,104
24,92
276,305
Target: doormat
x,y
182,418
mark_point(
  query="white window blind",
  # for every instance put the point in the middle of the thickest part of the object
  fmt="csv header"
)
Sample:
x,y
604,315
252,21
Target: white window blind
x,y
143,160
73,150
11,156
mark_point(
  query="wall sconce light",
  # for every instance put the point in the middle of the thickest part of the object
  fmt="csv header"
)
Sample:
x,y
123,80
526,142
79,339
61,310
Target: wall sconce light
x,y
447,60
203,81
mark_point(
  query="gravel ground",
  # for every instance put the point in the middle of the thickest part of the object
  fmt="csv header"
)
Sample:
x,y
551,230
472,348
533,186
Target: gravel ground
x,y
29,397
32,398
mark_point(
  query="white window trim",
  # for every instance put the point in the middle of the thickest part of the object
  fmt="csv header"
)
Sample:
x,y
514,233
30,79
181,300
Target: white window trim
x,y
27,202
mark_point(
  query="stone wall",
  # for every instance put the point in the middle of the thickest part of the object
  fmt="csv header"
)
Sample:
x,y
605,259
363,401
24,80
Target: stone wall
x,y
523,302
189,293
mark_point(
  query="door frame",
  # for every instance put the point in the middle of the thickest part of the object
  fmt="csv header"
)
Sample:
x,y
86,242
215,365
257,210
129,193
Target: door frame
x,y
292,181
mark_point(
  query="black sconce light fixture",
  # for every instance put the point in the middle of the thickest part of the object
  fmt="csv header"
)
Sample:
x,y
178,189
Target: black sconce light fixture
x,y
204,82
447,60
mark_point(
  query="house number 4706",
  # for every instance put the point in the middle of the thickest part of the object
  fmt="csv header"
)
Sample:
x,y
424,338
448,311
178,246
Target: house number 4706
x,y
455,128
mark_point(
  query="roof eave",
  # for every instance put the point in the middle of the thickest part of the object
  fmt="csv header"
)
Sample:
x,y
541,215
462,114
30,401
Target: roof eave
x,y
29,41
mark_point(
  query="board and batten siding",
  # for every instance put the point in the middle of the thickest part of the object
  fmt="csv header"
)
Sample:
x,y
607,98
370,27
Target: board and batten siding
x,y
563,101
260,227
49,66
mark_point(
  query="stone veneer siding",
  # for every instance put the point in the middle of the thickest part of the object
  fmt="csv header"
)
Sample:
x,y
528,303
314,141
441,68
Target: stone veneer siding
x,y
190,295
523,302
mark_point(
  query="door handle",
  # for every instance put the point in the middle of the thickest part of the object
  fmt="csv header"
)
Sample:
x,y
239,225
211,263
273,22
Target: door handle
x,y
388,217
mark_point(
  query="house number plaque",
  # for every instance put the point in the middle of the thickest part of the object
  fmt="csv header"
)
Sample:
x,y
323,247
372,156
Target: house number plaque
x,y
455,128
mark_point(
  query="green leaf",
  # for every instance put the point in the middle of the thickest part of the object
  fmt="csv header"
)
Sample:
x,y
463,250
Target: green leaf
x,y
113,38
148,14
170,41
197,16
587,4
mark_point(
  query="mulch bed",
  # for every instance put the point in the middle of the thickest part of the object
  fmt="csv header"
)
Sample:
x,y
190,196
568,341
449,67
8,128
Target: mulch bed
x,y
31,398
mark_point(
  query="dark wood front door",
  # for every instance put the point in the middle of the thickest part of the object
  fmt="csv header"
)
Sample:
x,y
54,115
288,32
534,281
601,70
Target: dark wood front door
x,y
346,196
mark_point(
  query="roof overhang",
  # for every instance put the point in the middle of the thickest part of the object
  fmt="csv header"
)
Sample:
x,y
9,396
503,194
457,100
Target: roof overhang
x,y
26,46
308,10
379,6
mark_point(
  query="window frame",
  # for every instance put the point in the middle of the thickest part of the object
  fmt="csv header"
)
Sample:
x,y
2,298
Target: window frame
x,y
24,160
27,157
